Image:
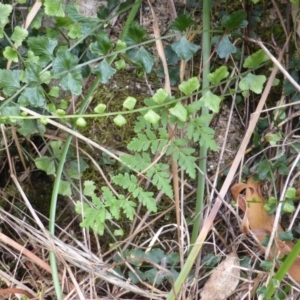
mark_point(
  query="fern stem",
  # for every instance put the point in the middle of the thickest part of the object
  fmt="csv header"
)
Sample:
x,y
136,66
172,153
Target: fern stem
x,y
206,48
202,165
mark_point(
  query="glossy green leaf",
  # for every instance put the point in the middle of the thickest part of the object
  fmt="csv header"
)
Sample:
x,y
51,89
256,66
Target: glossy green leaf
x,y
86,23
42,47
256,59
252,82
102,45
181,23
9,81
143,58
46,164
171,56
64,68
54,8
151,116
184,49
264,169
30,127
218,75
237,19
104,70
225,47
266,265
33,96
211,101
179,111
286,235
135,34
11,54
19,35
190,86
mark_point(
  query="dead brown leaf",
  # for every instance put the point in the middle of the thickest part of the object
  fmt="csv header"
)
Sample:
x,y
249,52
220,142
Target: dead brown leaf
x,y
257,219
223,280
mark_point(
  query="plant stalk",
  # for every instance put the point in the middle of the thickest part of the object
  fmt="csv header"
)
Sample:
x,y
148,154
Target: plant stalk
x,y
206,48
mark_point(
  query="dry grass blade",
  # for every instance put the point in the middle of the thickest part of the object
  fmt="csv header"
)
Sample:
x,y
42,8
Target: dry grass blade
x,y
77,257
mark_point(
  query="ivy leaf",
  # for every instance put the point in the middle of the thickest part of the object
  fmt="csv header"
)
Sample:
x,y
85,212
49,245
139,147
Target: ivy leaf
x,y
11,110
179,111
184,49
86,23
33,96
264,169
30,127
266,265
10,81
42,47
64,188
104,70
102,44
182,23
32,73
235,20
217,76
143,58
171,56
19,35
66,63
225,47
256,59
211,101
252,82
188,87
54,8
151,116
5,10
46,164
135,34
11,54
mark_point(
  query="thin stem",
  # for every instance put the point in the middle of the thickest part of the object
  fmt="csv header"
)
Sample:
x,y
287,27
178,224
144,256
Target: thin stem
x,y
206,48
